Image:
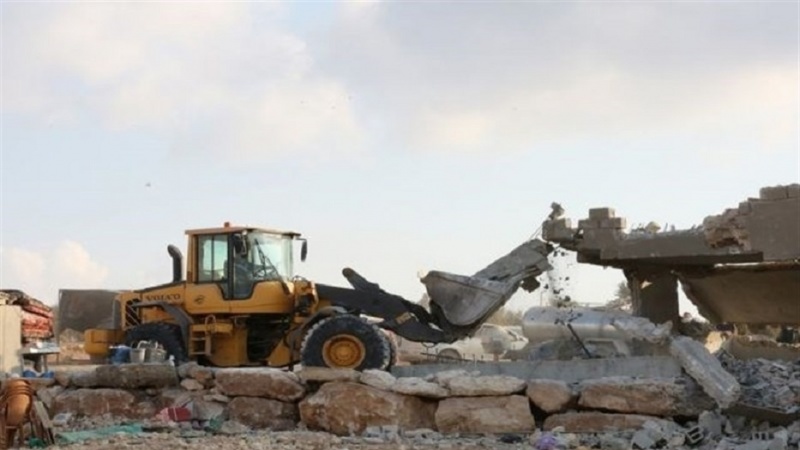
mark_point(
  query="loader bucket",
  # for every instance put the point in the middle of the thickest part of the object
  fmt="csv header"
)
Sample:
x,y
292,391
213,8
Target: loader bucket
x,y
461,304
464,300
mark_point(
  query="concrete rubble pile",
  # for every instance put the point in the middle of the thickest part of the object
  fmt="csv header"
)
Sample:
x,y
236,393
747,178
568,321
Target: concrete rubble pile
x,y
452,408
766,383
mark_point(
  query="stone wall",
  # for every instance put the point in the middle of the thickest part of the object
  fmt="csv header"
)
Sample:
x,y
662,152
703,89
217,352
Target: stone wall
x,y
346,402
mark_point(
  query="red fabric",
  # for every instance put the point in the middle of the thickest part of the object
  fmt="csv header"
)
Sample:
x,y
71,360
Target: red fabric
x,y
175,414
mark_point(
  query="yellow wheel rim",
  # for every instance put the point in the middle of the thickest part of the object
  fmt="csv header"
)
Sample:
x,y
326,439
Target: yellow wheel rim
x,y
343,350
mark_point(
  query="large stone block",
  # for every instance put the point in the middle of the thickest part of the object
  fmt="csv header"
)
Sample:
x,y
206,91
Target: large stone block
x,y
136,376
507,414
551,396
378,379
419,387
597,422
97,402
488,385
258,412
652,396
269,383
347,408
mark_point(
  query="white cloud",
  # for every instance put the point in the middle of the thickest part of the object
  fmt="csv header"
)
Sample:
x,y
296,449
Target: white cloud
x,y
513,76
42,273
223,77
236,78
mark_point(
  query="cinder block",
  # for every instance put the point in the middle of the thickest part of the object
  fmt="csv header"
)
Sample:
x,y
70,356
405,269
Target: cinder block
x,y
616,223
601,213
558,229
588,224
774,193
793,190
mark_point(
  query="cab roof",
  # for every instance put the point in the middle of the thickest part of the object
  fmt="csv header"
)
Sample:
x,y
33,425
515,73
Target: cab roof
x,y
228,229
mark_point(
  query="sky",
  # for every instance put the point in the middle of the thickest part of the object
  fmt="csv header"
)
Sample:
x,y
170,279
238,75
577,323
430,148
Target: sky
x,y
398,137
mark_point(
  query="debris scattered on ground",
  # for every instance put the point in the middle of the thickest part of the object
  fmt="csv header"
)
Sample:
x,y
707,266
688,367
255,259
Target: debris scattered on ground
x,y
765,383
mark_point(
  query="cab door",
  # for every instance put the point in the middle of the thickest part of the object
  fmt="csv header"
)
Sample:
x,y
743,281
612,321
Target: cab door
x,y
211,289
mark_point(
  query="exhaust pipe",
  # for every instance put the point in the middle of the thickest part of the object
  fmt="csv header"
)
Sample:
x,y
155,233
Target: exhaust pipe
x,y
177,263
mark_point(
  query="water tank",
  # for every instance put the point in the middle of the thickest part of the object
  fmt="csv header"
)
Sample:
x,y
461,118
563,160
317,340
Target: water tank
x,y
545,323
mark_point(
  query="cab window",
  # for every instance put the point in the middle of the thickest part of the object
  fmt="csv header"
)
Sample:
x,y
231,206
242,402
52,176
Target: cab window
x,y
212,255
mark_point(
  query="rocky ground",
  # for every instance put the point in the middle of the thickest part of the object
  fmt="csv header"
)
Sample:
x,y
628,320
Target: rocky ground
x,y
275,409
718,433
297,440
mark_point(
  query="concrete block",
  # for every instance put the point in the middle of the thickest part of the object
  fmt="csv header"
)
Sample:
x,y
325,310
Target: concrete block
x,y
589,224
601,213
558,229
617,223
706,370
774,193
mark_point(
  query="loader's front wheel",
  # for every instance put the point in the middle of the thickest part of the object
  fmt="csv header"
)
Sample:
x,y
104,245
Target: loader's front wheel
x,y
345,341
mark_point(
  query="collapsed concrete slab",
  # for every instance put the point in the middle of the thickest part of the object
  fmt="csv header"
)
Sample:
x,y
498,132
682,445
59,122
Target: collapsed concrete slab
x,y
706,370
654,397
730,267
568,371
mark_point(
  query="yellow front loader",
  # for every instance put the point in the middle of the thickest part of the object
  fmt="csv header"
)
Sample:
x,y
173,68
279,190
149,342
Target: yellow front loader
x,y
240,303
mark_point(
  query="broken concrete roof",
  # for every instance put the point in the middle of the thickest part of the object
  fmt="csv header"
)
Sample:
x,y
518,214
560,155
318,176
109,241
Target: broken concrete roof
x,y
730,267
762,229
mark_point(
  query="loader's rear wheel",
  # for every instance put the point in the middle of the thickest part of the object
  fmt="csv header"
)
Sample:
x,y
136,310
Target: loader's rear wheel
x,y
168,335
345,341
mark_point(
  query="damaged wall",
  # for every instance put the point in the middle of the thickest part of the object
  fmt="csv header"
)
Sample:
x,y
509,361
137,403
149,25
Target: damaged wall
x,y
741,266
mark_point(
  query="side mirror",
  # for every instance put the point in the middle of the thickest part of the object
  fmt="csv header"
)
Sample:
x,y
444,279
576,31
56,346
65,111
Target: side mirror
x,y
304,250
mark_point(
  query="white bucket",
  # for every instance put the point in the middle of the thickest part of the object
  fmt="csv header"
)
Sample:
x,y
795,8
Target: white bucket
x,y
137,355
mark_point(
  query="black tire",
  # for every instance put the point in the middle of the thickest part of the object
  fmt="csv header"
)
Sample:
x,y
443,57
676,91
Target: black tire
x,y
168,335
371,340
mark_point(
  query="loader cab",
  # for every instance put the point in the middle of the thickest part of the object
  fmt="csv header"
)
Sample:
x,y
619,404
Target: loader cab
x,y
238,258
